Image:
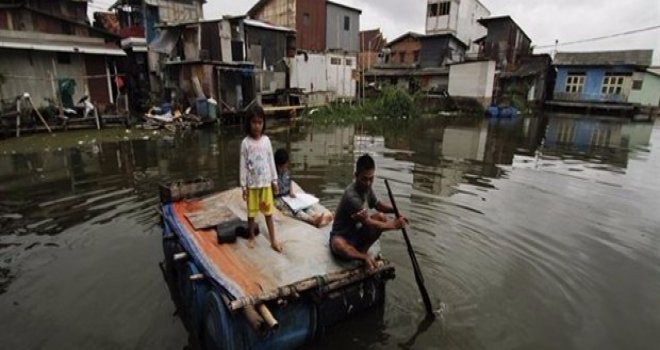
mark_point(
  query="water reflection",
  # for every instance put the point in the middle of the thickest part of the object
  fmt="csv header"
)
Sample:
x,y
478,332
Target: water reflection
x,y
495,232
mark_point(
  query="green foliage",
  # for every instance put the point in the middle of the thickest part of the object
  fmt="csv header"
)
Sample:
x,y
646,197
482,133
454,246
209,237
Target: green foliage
x,y
516,94
393,102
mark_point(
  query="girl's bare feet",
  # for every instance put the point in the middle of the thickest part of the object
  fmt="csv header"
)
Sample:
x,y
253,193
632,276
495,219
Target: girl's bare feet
x,y
277,246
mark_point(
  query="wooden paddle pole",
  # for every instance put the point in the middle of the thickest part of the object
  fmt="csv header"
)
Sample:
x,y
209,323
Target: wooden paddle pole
x,y
411,252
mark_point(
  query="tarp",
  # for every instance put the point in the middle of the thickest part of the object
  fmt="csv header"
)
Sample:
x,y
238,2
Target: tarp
x,y
245,272
166,40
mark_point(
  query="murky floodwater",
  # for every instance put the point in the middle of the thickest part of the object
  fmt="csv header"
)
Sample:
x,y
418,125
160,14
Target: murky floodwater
x,y
540,233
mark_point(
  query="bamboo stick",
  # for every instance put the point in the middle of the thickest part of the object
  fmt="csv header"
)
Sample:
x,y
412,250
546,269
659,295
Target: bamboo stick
x,y
254,318
96,116
268,317
180,256
18,118
39,114
347,277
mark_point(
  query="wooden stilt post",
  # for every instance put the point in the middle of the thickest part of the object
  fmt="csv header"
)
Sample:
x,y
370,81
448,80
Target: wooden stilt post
x,y
39,115
18,117
59,96
98,121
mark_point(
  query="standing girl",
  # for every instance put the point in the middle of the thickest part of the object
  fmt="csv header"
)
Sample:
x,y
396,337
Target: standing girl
x,y
258,175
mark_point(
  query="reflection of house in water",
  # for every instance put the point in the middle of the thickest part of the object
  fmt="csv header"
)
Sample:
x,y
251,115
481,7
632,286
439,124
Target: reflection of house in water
x,y
323,156
446,154
584,134
608,138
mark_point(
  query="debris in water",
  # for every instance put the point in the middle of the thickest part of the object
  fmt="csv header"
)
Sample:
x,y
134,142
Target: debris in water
x,y
14,216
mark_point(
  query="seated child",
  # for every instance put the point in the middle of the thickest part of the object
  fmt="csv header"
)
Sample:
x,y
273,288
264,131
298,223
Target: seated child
x,y
315,215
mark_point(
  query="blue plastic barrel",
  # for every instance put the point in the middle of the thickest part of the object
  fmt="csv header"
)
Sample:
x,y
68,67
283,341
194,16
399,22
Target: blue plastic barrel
x,y
192,297
171,247
219,330
202,106
222,330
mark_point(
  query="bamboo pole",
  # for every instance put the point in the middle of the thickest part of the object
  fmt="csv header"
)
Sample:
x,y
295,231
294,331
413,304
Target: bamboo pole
x,y
333,279
109,81
39,114
18,117
59,96
254,318
96,116
268,317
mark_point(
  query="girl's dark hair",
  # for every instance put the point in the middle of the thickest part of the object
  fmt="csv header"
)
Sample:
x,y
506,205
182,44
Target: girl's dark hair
x,y
281,157
254,111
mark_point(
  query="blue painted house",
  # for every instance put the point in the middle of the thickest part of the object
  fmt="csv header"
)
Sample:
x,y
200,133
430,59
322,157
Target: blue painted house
x,y
607,76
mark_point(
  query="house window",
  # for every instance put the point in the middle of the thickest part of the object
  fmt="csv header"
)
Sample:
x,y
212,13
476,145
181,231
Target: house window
x,y
444,8
637,84
613,84
575,83
349,62
347,23
402,57
306,19
335,61
63,58
416,54
433,10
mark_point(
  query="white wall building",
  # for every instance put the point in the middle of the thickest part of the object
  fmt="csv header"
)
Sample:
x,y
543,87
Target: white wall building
x,y
646,88
474,80
324,76
458,17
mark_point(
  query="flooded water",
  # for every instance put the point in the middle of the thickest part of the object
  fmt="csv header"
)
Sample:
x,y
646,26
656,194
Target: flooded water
x,y
539,233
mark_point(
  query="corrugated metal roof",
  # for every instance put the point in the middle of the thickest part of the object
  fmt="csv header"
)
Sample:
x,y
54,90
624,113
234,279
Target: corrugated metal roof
x,y
260,24
257,7
530,66
61,47
372,39
398,72
640,58
484,22
343,6
404,36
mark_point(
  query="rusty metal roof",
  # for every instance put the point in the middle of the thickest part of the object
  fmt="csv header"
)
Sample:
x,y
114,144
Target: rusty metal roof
x,y
404,36
372,39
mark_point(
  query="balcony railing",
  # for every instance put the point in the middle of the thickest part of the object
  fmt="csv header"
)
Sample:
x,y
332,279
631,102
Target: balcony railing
x,y
571,96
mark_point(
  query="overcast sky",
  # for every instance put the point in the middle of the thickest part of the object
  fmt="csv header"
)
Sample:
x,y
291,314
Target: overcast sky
x,y
543,20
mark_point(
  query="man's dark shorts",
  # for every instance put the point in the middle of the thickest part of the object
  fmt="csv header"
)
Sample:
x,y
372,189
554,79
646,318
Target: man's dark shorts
x,y
358,239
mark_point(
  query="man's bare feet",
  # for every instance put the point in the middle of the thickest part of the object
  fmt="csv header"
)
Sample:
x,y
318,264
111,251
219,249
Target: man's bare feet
x,y
251,243
327,218
370,264
277,246
317,220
